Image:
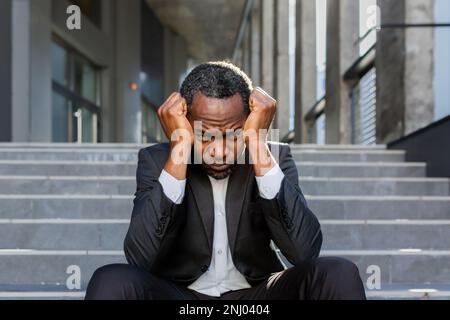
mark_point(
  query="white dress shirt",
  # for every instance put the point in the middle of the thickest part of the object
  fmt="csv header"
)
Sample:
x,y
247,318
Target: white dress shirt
x,y
222,275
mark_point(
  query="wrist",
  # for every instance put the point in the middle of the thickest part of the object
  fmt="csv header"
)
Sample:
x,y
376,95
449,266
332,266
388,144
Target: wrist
x,y
261,157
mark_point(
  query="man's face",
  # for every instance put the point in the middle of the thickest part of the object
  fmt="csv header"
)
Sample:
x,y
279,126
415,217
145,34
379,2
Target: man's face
x,y
216,140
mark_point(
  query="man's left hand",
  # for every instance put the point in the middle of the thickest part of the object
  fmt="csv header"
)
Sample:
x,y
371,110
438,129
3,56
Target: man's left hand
x,y
262,111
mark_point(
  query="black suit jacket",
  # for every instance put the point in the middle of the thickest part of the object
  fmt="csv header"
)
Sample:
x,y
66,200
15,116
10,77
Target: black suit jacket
x,y
175,241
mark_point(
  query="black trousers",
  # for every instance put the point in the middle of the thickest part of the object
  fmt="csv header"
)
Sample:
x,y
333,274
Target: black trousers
x,y
320,279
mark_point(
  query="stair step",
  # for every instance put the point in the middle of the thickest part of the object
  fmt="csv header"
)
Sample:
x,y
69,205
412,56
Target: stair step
x,y
385,234
424,267
64,234
71,185
49,267
69,155
410,292
382,207
348,155
82,154
108,234
68,168
375,186
325,207
66,206
337,147
428,268
128,168
126,185
361,169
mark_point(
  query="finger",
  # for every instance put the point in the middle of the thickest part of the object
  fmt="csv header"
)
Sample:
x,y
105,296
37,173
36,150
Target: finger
x,y
171,99
184,107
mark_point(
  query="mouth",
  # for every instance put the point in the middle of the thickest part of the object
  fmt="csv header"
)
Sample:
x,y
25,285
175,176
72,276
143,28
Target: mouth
x,y
219,167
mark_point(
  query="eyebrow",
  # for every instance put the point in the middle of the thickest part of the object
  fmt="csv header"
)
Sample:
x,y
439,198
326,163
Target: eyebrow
x,y
225,132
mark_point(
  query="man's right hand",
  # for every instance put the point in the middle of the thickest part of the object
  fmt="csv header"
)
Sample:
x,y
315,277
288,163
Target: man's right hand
x,y
172,115
176,126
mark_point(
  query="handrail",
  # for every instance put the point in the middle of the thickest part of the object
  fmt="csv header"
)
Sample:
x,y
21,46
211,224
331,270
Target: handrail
x,y
316,110
362,65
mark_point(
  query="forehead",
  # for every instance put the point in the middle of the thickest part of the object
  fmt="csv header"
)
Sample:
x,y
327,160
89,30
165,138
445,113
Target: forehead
x,y
218,113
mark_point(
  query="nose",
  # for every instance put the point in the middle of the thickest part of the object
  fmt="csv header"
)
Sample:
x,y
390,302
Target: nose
x,y
219,151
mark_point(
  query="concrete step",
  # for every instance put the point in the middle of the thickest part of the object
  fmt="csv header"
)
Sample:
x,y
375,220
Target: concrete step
x,y
70,185
386,234
128,168
31,268
375,186
387,208
68,168
108,234
70,154
387,292
39,292
63,234
345,147
66,206
126,185
325,207
73,146
123,154
348,155
410,292
133,146
396,267
360,169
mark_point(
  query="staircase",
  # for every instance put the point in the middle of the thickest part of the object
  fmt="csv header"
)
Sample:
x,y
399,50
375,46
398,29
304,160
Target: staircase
x,y
64,205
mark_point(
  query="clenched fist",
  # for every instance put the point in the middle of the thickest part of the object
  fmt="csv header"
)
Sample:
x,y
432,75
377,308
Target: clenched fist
x,y
172,115
176,126
262,111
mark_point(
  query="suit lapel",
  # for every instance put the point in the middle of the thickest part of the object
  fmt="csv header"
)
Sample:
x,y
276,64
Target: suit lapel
x,y
201,189
236,192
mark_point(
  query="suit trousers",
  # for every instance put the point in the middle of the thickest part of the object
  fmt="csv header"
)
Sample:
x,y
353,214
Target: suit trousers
x,y
319,279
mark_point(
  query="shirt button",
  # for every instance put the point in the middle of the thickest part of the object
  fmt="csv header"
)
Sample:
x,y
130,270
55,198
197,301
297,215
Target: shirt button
x,y
219,251
266,190
220,213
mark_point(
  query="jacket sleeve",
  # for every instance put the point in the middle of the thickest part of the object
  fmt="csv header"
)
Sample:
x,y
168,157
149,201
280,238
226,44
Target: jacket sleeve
x,y
294,227
152,219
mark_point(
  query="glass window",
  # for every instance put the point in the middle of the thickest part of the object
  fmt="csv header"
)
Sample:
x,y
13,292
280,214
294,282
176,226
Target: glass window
x,y
59,64
151,128
60,118
76,105
85,81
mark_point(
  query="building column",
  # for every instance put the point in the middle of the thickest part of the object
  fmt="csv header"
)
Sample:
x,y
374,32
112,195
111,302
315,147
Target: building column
x,y
41,71
342,52
5,70
128,62
255,35
282,84
267,45
405,70
305,66
175,61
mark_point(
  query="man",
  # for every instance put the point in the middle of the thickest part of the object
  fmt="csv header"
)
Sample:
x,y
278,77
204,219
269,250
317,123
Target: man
x,y
204,231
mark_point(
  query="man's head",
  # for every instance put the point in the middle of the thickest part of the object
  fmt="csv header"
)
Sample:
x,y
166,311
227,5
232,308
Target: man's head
x,y
217,94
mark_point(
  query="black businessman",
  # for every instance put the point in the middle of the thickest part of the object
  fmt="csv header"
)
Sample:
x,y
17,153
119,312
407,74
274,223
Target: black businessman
x,y
209,203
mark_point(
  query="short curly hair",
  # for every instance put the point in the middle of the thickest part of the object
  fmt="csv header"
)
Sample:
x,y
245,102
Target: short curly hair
x,y
219,79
